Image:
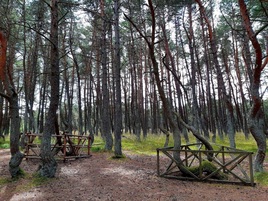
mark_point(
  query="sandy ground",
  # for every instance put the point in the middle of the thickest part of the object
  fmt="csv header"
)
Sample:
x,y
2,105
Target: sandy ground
x,y
102,178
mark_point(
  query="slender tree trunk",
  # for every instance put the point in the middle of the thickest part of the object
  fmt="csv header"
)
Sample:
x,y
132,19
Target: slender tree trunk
x,y
105,116
1,113
68,84
49,165
243,116
196,117
117,77
80,114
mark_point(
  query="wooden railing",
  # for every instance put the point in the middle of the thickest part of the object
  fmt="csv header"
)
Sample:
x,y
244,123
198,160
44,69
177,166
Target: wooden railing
x,y
235,165
63,146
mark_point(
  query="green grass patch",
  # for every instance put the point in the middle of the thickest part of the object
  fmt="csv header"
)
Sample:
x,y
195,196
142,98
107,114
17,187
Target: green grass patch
x,y
32,181
261,178
4,143
4,181
130,143
149,144
241,142
20,174
146,145
26,183
97,148
38,180
98,145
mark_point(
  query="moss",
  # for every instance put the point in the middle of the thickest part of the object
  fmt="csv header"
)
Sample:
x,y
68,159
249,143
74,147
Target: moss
x,y
207,167
38,180
19,174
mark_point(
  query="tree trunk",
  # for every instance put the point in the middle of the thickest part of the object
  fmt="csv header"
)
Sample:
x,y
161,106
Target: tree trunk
x,y
16,155
105,113
76,65
222,89
49,165
117,70
256,116
12,97
166,105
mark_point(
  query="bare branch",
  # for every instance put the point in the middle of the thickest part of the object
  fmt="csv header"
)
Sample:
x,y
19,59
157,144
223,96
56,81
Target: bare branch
x,y
138,30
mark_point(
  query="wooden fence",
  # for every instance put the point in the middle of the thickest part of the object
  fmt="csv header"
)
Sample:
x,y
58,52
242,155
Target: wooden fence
x,y
234,165
63,146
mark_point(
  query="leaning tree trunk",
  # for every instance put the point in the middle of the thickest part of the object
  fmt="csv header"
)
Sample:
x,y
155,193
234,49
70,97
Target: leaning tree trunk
x,y
16,155
165,103
221,85
256,116
12,97
48,166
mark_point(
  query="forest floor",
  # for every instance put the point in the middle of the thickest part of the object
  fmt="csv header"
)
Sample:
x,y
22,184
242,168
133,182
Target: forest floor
x,y
102,178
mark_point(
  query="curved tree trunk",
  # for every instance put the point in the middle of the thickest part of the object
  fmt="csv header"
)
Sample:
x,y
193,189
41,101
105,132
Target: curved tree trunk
x,y
165,104
222,88
256,116
16,155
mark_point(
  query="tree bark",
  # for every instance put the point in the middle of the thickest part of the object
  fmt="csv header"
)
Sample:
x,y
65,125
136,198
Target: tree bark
x,y
117,70
12,98
16,155
105,113
48,166
256,116
222,89
76,65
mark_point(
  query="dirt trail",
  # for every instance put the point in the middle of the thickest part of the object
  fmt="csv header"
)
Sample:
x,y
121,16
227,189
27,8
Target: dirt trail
x,y
101,178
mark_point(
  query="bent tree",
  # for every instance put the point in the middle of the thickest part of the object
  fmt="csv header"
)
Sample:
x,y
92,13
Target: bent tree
x,y
11,95
167,108
151,41
220,80
256,115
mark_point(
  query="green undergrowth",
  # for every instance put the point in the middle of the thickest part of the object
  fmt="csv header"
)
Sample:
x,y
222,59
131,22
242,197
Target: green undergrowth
x,y
98,145
38,180
145,146
261,178
28,182
4,181
241,142
149,144
97,148
4,143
